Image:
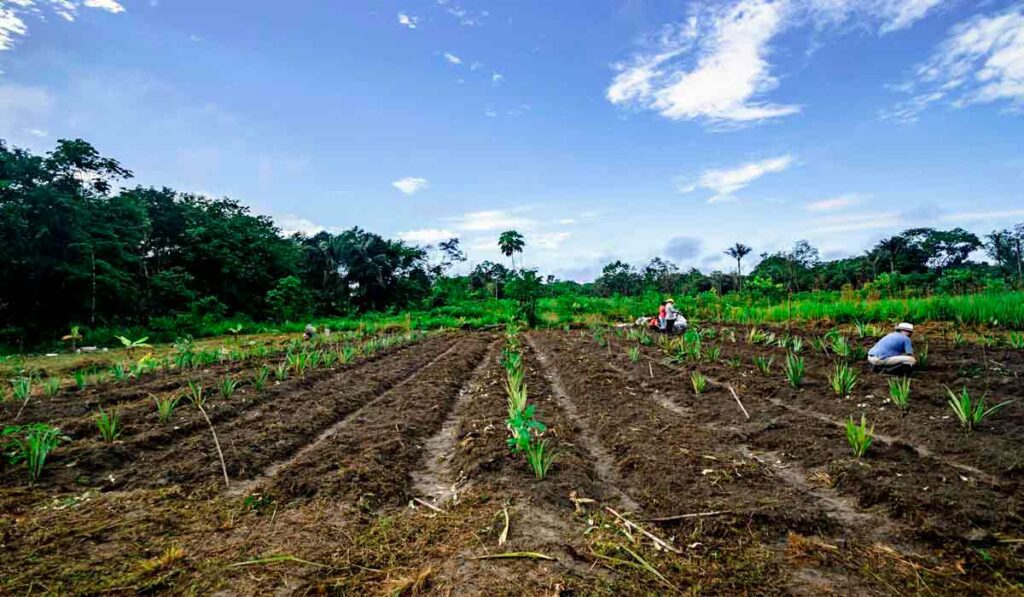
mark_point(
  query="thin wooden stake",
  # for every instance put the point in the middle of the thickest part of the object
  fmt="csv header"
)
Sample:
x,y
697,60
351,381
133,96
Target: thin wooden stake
x,y
738,401
650,536
685,516
508,555
428,504
216,442
504,532
650,368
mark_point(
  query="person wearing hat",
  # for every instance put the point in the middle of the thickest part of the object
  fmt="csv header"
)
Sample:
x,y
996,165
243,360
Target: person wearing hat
x,y
673,318
894,352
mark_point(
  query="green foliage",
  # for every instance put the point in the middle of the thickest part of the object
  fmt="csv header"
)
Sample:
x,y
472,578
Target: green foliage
x,y
843,379
51,386
281,372
860,436
899,392
30,444
734,362
1016,340
958,339
764,363
712,354
794,370
81,379
21,388
633,352
699,382
971,413
259,379
289,300
165,407
922,358
109,424
540,458
227,387
196,394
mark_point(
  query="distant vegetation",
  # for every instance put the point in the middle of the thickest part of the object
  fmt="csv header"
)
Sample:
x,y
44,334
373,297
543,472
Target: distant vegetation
x,y
81,250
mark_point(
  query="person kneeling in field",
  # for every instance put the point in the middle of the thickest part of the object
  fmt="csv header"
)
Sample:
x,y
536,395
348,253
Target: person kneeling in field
x,y
894,353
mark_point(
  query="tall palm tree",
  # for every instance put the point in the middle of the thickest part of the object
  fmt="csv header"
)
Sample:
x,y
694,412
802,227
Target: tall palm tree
x,y
738,252
511,242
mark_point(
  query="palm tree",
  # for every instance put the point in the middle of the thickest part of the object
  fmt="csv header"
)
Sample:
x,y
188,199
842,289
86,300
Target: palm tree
x,y
738,252
511,242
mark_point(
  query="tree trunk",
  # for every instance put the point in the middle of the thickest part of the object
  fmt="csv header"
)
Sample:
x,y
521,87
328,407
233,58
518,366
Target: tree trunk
x,y
92,307
1020,278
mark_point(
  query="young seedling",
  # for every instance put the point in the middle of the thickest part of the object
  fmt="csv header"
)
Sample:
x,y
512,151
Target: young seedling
x,y
281,372
796,344
899,392
132,345
540,458
794,370
21,389
196,397
958,339
712,354
734,362
51,386
227,387
1016,340
72,337
633,352
699,382
259,380
81,380
31,444
859,436
971,413
119,371
764,363
842,379
922,357
109,424
165,407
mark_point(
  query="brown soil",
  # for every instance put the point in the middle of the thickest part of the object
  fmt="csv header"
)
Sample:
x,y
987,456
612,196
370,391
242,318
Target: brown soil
x,y
392,475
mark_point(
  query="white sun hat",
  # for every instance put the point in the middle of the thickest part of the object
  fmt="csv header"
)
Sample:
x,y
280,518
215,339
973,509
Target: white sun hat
x,y
905,327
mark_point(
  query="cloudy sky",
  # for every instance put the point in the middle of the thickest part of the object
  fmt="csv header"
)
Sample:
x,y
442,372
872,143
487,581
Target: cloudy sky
x,y
600,129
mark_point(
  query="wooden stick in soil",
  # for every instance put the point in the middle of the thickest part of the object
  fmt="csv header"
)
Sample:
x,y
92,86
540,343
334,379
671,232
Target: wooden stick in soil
x,y
216,442
504,531
686,516
650,536
428,504
738,401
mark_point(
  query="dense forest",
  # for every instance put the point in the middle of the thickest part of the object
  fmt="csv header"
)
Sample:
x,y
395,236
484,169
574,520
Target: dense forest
x,y
81,247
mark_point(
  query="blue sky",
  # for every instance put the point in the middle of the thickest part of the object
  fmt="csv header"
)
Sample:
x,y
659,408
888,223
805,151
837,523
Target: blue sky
x,y
600,129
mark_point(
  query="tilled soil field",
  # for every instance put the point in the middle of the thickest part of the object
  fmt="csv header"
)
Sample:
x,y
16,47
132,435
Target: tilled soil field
x,y
391,475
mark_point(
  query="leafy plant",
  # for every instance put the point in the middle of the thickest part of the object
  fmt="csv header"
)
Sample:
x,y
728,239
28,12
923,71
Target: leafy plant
x,y
794,370
196,394
132,345
699,382
81,379
259,380
859,436
540,458
21,388
165,407
227,387
633,352
764,363
31,444
842,379
734,362
796,344
1016,340
281,372
51,386
73,337
958,338
713,353
109,424
971,413
922,357
899,392
119,371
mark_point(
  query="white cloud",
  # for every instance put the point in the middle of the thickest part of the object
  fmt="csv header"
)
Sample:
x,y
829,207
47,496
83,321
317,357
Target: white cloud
x,y
291,223
11,26
980,61
976,216
497,78
426,236
725,182
550,240
37,133
107,5
465,17
410,185
452,58
490,113
408,20
834,204
888,15
494,219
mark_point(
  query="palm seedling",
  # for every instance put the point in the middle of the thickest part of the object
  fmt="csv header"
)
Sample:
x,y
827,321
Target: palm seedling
x,y
132,345
841,346
764,363
971,413
819,344
633,352
281,372
21,389
119,371
899,392
1016,340
989,340
699,382
227,387
345,355
81,379
842,379
713,353
922,357
109,424
958,338
859,436
196,393
540,458
165,407
734,362
796,344
795,370
328,358
32,444
259,380
51,386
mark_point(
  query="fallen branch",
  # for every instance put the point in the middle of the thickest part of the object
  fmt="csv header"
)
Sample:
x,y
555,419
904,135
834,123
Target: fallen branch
x,y
631,524
276,559
216,442
428,504
686,516
510,555
650,368
738,401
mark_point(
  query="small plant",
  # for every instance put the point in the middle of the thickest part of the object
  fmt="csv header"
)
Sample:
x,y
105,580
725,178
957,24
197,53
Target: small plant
x,y
819,344
259,380
842,379
73,337
841,346
971,413
345,355
109,424
195,394
81,380
165,407
31,444
540,458
712,354
281,372
795,370
699,382
21,388
859,436
958,339
734,362
1016,340
119,371
51,386
796,344
922,357
989,340
764,363
899,392
132,345
633,352
227,387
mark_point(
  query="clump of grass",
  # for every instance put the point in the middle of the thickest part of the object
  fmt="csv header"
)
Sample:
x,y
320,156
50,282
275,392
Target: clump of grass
x,y
633,352
795,370
796,344
1016,340
899,392
30,444
842,379
51,386
281,372
81,379
859,436
259,379
109,424
712,354
699,382
165,407
764,363
21,388
228,387
922,357
971,413
734,362
540,458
